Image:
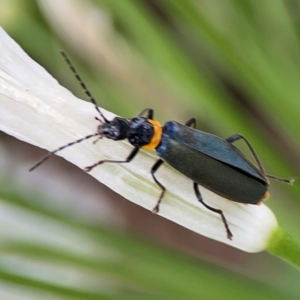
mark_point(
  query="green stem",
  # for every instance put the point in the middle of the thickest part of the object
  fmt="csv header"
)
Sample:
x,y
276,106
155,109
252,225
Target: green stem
x,y
283,245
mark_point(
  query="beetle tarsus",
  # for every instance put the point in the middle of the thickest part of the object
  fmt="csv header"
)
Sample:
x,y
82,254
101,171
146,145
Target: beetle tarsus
x,y
286,180
88,169
155,209
229,234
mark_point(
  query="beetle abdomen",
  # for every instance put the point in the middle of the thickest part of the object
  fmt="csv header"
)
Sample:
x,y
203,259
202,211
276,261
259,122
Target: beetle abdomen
x,y
185,149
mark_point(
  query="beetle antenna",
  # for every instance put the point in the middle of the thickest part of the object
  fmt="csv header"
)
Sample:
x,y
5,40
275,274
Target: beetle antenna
x,y
88,93
62,148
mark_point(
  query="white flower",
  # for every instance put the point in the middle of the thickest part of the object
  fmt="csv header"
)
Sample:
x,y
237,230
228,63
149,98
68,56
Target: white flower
x,y
36,109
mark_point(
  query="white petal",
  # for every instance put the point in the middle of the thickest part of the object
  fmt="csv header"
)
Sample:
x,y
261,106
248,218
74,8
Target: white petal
x,y
36,109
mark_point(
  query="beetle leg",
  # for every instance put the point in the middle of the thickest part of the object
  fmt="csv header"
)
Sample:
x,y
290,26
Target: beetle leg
x,y
287,180
218,211
237,137
127,160
163,189
149,112
191,122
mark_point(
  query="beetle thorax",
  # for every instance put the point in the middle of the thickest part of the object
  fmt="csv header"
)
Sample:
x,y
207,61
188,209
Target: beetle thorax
x,y
140,132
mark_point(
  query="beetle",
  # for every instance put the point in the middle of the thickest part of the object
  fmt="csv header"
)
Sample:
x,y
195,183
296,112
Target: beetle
x,y
206,159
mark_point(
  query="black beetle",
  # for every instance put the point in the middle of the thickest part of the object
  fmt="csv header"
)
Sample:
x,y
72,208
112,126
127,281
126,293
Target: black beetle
x,y
206,159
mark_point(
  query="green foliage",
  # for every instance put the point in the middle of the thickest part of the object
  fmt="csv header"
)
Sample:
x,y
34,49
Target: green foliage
x,y
71,259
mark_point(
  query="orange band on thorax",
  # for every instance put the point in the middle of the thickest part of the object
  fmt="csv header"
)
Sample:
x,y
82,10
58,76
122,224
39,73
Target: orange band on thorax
x,y
156,136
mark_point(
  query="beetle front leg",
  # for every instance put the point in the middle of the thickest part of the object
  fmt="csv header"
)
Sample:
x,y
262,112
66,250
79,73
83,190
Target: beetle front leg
x,y
127,160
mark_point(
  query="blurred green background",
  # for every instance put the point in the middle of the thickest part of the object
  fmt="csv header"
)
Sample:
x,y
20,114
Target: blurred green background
x,y
234,65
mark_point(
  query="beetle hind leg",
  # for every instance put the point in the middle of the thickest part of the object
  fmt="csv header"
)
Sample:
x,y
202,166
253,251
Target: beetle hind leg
x,y
218,211
286,180
237,137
